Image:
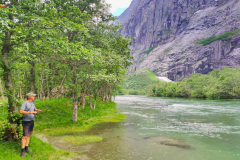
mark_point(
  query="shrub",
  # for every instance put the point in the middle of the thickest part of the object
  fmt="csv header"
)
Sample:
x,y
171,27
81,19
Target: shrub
x,y
217,84
148,51
224,37
133,92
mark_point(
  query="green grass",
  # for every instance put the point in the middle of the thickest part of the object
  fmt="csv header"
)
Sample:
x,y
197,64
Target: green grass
x,y
58,113
85,125
224,37
55,120
41,150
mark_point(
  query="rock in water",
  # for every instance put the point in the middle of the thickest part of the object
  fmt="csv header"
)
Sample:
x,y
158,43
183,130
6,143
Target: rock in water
x,y
176,144
169,142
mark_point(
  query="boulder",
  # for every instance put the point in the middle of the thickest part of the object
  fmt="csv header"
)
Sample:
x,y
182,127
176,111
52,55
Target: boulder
x,y
169,142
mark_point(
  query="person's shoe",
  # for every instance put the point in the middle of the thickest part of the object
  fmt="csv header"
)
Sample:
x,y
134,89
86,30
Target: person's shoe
x,y
28,151
23,155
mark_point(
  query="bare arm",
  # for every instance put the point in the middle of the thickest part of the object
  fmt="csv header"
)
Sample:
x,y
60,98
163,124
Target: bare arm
x,y
26,112
37,110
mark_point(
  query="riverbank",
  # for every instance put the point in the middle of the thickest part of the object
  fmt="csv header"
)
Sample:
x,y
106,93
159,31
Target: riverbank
x,y
218,84
55,121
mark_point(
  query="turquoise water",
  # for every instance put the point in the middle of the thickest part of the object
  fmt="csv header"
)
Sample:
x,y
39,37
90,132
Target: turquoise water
x,y
210,129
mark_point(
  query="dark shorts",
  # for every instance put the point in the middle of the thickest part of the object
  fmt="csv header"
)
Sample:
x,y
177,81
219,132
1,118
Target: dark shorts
x,y
27,127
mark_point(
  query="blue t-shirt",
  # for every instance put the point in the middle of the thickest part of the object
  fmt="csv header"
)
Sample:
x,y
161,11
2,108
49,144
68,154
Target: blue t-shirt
x,y
29,107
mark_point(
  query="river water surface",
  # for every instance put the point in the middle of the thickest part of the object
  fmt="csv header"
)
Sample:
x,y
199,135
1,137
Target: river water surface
x,y
170,129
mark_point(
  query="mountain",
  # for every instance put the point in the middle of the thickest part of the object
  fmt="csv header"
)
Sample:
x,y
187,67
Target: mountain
x,y
174,38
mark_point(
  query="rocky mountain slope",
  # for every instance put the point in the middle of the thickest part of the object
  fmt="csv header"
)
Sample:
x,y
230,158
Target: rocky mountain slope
x,y
166,32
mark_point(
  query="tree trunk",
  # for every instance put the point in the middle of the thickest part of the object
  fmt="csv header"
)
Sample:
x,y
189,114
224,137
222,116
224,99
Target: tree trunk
x,y
110,93
32,77
106,94
42,94
74,95
48,91
95,101
1,89
7,77
62,82
83,100
101,93
50,82
90,100
20,92
75,110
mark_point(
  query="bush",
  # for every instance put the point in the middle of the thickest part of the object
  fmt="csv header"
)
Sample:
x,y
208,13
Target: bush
x,y
147,51
10,132
217,84
133,92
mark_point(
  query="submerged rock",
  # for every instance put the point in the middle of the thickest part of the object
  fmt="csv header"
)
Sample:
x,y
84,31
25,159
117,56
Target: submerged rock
x,y
169,142
176,144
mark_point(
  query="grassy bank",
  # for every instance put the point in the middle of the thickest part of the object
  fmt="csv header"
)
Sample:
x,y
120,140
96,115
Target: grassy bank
x,y
55,120
41,150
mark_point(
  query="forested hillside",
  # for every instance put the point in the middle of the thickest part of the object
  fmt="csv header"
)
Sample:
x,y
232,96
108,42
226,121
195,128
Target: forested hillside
x,y
136,83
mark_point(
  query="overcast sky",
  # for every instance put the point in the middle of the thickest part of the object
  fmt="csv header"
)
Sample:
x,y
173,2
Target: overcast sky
x,y
118,4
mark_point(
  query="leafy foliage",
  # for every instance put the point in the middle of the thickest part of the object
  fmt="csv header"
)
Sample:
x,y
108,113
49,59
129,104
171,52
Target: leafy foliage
x,y
61,48
217,84
136,83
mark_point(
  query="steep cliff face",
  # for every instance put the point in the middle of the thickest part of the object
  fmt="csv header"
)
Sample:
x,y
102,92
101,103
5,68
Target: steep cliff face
x,y
166,32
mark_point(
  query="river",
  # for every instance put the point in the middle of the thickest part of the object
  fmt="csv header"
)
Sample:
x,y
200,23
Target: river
x,y
170,129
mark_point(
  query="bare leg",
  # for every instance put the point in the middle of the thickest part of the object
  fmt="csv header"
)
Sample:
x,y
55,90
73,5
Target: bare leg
x,y
23,144
28,140
26,147
24,141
